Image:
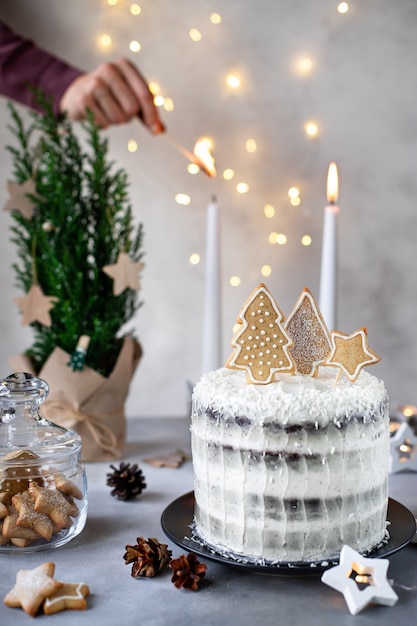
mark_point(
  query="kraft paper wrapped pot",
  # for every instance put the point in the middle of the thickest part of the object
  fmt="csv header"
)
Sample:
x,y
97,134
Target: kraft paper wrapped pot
x,y
87,402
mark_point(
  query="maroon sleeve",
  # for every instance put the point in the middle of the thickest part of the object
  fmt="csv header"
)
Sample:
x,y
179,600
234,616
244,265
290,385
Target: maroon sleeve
x,y
22,64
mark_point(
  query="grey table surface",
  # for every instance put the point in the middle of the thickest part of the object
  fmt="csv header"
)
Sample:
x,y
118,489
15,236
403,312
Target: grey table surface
x,y
228,595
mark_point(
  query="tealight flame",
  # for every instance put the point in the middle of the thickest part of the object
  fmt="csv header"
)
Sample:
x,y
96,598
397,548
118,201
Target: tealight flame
x,y
332,184
204,159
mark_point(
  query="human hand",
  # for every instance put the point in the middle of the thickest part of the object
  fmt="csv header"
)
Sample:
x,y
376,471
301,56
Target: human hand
x,y
115,93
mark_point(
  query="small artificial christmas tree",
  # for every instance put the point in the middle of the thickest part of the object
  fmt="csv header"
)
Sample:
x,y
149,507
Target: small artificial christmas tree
x,y
80,223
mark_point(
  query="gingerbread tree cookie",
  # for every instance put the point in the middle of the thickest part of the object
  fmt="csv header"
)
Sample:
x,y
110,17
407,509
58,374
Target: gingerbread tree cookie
x,y
351,353
261,342
309,333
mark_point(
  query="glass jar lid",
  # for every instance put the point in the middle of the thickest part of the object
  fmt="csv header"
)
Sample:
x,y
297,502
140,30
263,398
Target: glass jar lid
x,y
22,426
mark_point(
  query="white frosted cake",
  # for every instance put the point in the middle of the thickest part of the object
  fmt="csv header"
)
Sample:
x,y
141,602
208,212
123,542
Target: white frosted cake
x,y
292,470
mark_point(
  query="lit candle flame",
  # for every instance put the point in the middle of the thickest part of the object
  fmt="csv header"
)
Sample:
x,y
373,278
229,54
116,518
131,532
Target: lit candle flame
x,y
204,159
332,184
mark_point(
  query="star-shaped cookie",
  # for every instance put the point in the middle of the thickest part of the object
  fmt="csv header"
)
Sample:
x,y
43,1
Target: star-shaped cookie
x,y
32,587
69,596
125,273
403,450
36,306
18,200
51,502
354,571
351,353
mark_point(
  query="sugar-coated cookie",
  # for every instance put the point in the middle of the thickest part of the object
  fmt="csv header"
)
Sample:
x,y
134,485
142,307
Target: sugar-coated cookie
x,y
11,529
53,503
311,338
32,587
69,596
29,518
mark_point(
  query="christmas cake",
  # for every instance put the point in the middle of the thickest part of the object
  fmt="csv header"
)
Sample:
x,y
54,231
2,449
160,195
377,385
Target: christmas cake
x,y
290,454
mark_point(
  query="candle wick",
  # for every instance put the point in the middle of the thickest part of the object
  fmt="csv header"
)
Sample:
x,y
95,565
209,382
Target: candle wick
x,y
214,198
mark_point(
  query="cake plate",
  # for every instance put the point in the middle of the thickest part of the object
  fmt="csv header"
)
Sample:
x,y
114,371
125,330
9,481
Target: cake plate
x,y
177,520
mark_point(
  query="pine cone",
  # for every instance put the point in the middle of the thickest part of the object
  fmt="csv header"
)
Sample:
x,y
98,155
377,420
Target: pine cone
x,y
127,481
187,571
148,557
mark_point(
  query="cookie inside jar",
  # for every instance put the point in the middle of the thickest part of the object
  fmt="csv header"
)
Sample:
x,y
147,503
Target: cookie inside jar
x,y
43,491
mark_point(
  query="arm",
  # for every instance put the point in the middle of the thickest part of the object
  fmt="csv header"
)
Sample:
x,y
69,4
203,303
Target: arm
x,y
23,64
115,92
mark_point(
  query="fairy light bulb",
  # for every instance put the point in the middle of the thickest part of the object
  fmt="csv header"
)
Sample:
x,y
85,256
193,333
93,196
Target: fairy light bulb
x,y
228,174
105,41
293,192
295,201
135,46
311,129
154,88
266,270
269,210
182,198
215,18
250,146
195,34
132,145
242,188
112,3
135,9
306,240
304,65
235,281
194,258
233,81
159,101
281,239
342,7
273,238
168,104
192,168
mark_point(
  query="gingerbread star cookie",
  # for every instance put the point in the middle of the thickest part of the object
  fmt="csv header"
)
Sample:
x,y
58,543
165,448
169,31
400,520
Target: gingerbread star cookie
x,y
12,531
261,342
32,587
29,518
54,504
351,353
70,596
311,340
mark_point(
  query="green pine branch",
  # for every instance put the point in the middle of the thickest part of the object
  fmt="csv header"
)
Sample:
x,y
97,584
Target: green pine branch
x,y
82,220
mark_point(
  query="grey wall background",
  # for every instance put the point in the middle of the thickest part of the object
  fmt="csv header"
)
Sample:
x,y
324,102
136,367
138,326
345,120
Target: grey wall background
x,y
361,92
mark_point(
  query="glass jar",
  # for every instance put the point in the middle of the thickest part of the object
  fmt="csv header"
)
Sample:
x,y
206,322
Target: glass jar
x,y
43,486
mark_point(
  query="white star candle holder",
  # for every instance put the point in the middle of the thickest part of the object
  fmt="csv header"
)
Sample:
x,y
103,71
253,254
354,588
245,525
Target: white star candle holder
x,y
361,580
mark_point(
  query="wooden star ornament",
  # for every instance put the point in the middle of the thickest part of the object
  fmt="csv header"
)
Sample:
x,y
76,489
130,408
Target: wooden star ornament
x,y
403,450
361,580
125,273
35,306
351,353
19,198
